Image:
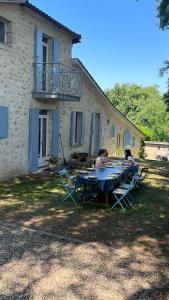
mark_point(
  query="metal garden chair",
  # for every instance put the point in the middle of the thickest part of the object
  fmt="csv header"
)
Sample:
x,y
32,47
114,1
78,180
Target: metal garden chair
x,y
122,199
142,175
130,186
69,186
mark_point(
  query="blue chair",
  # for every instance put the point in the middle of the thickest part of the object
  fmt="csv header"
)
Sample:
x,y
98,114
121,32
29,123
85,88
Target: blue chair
x,y
69,186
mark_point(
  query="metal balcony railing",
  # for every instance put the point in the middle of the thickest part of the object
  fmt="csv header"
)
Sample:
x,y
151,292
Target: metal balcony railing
x,y
57,80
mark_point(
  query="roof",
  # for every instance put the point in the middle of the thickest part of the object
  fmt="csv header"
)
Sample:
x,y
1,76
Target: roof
x,y
157,143
106,99
75,36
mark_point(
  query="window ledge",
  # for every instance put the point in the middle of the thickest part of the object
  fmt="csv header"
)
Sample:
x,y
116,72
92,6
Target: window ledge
x,y
5,47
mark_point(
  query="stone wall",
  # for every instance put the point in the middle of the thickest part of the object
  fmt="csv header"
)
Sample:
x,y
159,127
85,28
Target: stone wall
x,y
156,150
17,82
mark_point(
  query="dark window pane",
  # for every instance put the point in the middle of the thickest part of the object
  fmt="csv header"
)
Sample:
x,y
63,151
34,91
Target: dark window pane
x,y
2,32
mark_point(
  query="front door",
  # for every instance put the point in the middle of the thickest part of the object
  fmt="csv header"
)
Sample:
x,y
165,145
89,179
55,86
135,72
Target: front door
x,y
43,124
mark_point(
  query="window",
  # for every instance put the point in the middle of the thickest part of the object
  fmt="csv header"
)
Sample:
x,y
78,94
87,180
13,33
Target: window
x,y
6,35
78,128
133,141
2,32
112,131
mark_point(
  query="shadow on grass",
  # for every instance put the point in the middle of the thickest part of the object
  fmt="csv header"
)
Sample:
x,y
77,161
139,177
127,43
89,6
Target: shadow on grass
x,y
37,202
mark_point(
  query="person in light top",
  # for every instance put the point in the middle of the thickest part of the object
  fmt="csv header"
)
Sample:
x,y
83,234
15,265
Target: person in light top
x,y
102,158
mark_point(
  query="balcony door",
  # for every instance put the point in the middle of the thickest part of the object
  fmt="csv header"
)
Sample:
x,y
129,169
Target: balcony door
x,y
45,63
43,138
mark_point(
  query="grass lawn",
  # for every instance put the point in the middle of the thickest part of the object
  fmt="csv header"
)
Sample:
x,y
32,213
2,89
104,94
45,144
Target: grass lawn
x,y
36,202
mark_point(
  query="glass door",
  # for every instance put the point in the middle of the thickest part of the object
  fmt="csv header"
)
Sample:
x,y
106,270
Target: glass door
x,y
45,64
43,118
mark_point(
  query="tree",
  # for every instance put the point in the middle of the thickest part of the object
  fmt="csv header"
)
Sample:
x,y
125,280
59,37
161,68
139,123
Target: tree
x,y
143,106
163,13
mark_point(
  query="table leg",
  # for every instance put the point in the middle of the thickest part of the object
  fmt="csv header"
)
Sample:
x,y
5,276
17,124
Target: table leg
x,y
107,198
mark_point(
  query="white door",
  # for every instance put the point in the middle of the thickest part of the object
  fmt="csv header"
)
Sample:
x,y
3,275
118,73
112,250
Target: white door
x,y
43,124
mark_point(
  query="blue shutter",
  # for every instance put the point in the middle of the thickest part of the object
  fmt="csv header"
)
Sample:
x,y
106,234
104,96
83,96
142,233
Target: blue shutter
x,y
127,139
56,61
38,61
112,131
4,119
73,128
83,138
33,139
55,133
92,133
101,130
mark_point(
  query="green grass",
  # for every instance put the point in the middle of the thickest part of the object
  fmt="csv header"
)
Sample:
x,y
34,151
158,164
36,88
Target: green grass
x,y
36,201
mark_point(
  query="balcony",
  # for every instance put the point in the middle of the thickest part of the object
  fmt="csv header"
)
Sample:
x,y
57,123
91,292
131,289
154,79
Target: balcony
x,y
57,81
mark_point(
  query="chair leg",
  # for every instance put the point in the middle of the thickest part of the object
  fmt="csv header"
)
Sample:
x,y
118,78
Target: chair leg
x,y
118,202
69,195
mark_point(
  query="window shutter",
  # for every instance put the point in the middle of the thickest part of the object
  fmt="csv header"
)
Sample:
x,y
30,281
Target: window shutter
x,y
92,133
4,119
33,139
101,130
127,139
112,131
73,128
83,138
56,61
38,61
55,132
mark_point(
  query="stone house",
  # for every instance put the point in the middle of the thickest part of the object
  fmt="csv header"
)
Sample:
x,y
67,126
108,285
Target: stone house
x,y
45,94
157,150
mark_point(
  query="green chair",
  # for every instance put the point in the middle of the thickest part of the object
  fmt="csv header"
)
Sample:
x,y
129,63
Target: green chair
x,y
130,186
70,188
122,199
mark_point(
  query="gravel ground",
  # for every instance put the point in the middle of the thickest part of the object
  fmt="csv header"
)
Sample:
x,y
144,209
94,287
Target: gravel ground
x,y
34,265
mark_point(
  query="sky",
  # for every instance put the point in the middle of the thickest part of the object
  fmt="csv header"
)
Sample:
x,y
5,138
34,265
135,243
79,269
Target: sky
x,y
121,40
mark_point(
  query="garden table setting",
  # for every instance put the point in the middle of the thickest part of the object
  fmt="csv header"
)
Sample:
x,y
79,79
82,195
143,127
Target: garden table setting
x,y
107,178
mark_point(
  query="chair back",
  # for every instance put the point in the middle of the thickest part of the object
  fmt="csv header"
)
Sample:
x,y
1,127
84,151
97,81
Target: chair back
x,y
134,179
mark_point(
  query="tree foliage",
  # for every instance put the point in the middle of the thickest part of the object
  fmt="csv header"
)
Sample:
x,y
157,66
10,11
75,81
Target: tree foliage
x,y
144,106
163,13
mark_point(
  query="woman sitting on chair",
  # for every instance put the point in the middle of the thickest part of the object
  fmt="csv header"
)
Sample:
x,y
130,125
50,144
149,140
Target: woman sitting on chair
x,y
130,162
102,158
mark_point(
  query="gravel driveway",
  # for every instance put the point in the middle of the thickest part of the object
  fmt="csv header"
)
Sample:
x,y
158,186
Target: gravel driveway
x,y
34,265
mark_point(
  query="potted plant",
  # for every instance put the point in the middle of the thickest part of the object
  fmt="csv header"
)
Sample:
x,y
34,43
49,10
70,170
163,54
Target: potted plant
x,y
75,156
52,163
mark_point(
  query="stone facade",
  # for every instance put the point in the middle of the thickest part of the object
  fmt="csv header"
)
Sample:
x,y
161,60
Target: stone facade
x,y
17,84
156,150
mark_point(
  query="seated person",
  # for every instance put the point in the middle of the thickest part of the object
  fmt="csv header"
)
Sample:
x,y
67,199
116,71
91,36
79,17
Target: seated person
x,y
107,158
102,158
130,162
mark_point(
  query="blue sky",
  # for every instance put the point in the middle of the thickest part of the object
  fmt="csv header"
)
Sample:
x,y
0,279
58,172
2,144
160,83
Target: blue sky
x,y
121,41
